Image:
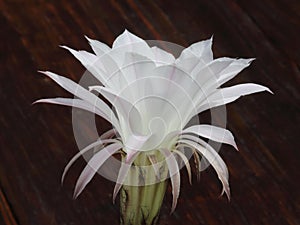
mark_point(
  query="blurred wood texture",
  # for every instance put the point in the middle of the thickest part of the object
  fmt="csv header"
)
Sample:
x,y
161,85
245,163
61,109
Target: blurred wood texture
x,y
36,141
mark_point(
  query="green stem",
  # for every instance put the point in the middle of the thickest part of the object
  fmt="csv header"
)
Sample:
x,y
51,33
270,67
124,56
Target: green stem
x,y
140,205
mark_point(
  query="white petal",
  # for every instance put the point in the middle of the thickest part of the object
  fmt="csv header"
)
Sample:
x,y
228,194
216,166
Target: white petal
x,y
201,49
91,62
98,47
93,166
108,134
229,94
189,64
215,74
83,151
84,94
174,175
186,162
239,90
127,38
125,167
135,66
133,144
81,104
212,156
125,109
199,53
206,78
217,134
84,57
231,71
211,71
197,162
162,57
128,42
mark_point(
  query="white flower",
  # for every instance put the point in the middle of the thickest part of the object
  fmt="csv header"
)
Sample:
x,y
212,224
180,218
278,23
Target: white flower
x,y
154,96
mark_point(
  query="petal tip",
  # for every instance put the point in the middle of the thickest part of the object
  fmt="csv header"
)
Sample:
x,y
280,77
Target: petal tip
x,y
87,38
269,90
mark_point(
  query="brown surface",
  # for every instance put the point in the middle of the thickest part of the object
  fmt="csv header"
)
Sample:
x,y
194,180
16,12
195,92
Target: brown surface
x,y
37,141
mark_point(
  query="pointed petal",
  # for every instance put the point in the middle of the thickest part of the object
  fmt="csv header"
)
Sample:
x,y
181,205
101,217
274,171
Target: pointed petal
x,y
162,57
214,133
197,163
212,104
91,62
82,152
211,71
108,134
98,47
133,144
186,162
135,66
93,166
238,91
229,94
125,167
128,42
125,109
127,38
216,73
212,156
84,94
174,175
201,49
196,55
84,57
78,103
233,69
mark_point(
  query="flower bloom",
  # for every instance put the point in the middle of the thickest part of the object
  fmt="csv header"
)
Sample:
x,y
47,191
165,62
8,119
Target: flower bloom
x,y
154,96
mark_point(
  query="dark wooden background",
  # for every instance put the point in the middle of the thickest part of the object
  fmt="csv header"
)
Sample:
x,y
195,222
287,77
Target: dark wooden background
x,y
37,141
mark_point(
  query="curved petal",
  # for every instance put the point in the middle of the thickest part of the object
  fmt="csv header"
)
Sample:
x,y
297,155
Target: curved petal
x,y
84,94
212,156
93,166
238,91
91,62
214,133
231,71
133,144
197,162
136,66
162,57
108,134
174,175
128,42
86,58
126,111
82,152
199,53
98,47
208,75
229,94
186,163
81,104
125,167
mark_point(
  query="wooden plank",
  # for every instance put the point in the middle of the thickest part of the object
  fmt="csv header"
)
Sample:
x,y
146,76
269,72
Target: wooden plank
x,y
6,215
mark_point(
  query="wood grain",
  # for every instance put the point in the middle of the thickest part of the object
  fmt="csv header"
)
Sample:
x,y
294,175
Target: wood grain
x,y
37,141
